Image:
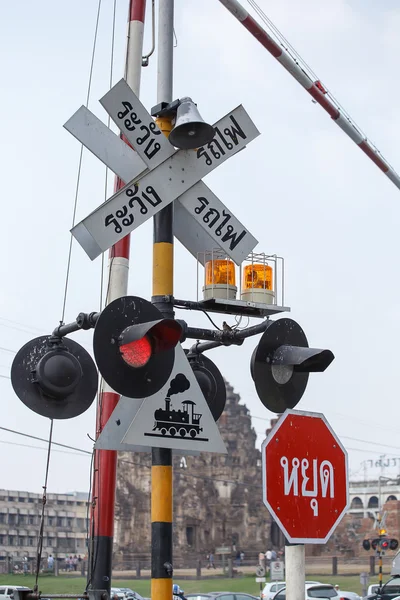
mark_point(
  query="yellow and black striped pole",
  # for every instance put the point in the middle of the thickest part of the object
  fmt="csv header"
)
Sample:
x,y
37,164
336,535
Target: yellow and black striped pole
x,y
163,287
161,469
380,575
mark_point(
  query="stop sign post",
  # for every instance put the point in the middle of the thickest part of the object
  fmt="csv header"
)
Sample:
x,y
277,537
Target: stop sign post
x,y
305,477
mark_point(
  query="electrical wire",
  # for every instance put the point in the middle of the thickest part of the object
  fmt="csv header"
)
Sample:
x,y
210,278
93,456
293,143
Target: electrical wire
x,y
8,350
17,323
39,439
8,443
280,38
18,328
108,125
258,432
367,423
96,472
186,474
210,319
79,451
203,477
80,165
89,533
44,500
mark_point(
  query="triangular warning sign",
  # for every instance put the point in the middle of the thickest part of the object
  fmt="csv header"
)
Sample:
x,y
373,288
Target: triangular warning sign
x,y
177,416
117,426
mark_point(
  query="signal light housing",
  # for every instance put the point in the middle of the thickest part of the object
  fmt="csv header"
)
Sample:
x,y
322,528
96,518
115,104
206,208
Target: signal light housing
x,y
375,544
210,381
366,545
134,346
382,544
54,377
281,363
393,544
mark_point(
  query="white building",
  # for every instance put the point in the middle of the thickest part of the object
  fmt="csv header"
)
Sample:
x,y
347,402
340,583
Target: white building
x,y
65,526
367,496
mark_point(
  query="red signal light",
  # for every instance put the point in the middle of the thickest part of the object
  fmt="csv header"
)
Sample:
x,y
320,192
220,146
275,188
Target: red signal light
x,y
137,354
384,544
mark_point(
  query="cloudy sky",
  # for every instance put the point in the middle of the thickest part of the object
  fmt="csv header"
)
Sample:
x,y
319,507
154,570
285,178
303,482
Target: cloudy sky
x,y
302,188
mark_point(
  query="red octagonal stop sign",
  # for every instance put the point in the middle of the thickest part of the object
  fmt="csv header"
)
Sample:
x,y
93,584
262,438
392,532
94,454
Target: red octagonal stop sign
x,y
305,483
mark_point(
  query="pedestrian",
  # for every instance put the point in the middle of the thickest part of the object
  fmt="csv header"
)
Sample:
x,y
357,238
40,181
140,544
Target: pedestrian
x,y
241,557
237,559
177,592
273,555
75,562
268,557
210,558
25,565
261,559
337,588
50,562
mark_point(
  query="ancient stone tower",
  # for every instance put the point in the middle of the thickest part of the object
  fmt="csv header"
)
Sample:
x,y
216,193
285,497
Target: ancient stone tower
x,y
217,498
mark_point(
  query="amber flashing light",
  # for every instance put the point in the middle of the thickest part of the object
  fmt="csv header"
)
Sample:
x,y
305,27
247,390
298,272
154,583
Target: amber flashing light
x,y
220,272
257,276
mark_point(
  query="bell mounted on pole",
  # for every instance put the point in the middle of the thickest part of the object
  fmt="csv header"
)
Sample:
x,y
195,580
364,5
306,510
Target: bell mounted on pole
x,y
55,377
134,346
190,130
281,363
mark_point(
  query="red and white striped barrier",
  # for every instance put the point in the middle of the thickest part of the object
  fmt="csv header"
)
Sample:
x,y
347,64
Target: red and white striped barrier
x,y
314,88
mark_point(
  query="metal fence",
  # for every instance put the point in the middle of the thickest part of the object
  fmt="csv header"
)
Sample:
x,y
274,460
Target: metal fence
x,y
223,566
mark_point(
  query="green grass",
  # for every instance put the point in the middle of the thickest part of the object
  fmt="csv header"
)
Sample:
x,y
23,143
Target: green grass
x,y
65,584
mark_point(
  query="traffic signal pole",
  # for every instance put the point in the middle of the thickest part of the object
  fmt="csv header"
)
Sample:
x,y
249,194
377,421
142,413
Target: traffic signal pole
x,y
105,461
163,271
380,571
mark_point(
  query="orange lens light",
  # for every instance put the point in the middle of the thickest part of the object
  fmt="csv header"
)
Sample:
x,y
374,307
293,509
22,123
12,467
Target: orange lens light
x,y
220,272
257,276
138,353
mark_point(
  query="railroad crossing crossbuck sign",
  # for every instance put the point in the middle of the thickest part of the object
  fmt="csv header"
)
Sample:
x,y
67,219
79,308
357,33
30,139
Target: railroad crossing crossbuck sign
x,y
305,482
158,174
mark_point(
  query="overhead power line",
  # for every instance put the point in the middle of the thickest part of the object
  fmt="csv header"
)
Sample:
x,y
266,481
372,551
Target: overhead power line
x,y
34,437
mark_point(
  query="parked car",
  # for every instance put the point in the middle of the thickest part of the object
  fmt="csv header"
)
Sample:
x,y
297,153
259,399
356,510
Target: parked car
x,y
131,594
7,591
319,590
390,587
349,595
221,596
272,587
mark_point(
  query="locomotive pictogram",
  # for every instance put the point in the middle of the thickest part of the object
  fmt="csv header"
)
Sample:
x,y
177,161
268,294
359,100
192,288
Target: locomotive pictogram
x,y
170,422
